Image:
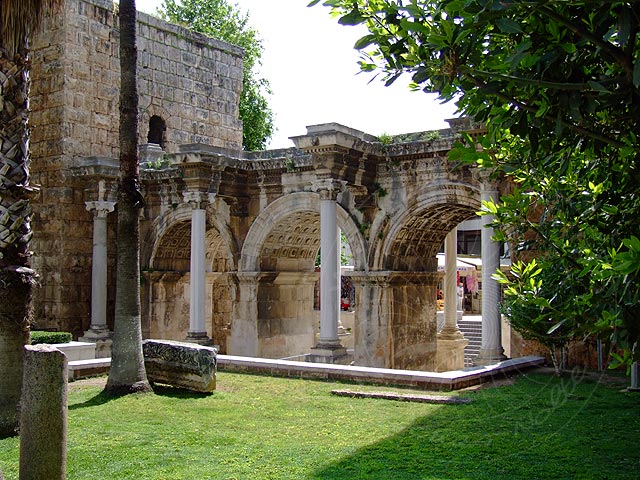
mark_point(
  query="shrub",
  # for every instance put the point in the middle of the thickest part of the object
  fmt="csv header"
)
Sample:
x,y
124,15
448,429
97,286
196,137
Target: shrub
x,y
50,337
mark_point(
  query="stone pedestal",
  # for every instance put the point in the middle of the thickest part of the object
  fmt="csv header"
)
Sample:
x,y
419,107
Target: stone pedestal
x,y
330,354
243,340
450,353
199,339
43,419
102,340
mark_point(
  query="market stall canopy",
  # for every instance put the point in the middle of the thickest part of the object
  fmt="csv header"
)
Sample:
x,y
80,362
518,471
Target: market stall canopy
x,y
462,266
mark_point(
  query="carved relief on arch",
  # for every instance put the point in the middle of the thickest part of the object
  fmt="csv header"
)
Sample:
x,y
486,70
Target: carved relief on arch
x,y
292,222
415,236
167,244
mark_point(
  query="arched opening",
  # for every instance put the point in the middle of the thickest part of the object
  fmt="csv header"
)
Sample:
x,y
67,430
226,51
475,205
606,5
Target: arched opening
x,y
287,321
275,315
167,286
401,293
157,131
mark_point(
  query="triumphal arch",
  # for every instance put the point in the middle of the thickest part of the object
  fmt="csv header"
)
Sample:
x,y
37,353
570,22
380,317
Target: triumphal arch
x,y
229,238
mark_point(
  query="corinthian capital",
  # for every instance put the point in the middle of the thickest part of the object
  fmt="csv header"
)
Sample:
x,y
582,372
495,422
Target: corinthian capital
x,y
329,188
485,176
100,208
197,200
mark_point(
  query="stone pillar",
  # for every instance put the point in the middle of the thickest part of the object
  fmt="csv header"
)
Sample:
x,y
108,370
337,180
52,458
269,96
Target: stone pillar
x,y
395,324
98,332
491,350
451,301
451,342
197,287
43,418
243,340
329,349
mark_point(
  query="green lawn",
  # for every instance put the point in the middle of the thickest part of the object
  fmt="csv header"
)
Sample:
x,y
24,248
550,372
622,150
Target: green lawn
x,y
257,427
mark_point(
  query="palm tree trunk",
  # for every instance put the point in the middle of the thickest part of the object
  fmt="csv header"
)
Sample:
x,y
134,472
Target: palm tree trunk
x,y
127,373
16,277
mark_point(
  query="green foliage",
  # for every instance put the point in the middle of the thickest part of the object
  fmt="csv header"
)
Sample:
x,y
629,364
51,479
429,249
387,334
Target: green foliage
x,y
540,428
160,164
222,20
557,86
50,337
385,139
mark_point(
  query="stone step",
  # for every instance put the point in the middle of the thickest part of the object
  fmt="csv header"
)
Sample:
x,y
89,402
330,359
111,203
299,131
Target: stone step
x,y
477,331
88,368
472,328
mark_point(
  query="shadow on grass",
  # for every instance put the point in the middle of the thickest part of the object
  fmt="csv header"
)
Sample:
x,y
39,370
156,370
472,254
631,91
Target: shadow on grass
x,y
513,435
100,399
161,390
175,392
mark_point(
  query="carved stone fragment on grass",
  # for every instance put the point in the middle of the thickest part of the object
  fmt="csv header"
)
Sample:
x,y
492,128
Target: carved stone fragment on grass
x,y
180,364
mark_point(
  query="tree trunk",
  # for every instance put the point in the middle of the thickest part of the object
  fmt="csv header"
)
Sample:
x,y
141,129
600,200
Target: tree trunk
x,y
127,373
16,277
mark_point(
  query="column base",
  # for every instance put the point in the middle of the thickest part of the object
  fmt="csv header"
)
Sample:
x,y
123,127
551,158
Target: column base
x,y
489,357
329,353
450,353
102,338
200,338
450,333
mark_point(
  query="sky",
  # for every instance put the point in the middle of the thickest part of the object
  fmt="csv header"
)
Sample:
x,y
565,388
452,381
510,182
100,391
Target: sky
x,y
312,67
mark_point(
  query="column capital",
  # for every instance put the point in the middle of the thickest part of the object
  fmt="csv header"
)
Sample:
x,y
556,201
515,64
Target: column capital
x,y
485,177
197,200
328,188
101,208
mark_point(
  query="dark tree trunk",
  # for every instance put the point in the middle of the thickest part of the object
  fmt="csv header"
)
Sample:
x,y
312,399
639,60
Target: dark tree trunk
x,y
127,373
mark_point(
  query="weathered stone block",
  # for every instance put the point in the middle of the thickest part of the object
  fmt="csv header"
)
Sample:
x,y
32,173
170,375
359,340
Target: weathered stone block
x,y
180,364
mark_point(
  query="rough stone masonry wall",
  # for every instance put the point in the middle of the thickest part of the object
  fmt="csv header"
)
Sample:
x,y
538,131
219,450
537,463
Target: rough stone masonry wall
x,y
192,82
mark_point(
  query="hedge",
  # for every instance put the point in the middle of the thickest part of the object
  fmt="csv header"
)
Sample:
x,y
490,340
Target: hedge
x,y
50,337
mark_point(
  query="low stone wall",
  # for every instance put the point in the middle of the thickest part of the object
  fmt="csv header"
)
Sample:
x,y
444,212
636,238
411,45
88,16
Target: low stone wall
x,y
180,364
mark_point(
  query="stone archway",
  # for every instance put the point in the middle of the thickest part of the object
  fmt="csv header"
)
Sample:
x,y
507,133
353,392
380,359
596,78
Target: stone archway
x,y
286,206
274,316
167,279
396,323
414,237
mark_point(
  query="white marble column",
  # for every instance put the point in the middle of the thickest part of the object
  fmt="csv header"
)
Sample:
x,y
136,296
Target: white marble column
x,y
100,210
329,343
491,350
450,340
197,287
451,286
98,332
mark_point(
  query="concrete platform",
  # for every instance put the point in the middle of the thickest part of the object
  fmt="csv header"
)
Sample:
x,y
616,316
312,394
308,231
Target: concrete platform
x,y
77,350
453,380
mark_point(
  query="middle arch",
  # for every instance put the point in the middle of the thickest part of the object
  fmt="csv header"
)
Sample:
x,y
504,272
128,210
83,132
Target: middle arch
x,y
291,207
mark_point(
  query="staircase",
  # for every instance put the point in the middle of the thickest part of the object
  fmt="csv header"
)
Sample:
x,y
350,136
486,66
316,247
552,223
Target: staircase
x,y
471,328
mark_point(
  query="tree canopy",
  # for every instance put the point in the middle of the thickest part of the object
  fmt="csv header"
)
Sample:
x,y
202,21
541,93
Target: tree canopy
x,y
219,19
557,84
